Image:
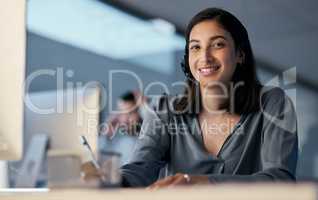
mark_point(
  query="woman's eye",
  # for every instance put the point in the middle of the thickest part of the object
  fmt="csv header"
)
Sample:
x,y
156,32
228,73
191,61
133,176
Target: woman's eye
x,y
218,45
195,48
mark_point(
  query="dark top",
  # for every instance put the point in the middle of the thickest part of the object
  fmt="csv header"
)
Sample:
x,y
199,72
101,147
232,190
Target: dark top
x,y
263,146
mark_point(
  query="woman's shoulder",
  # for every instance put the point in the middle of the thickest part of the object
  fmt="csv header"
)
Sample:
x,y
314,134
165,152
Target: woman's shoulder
x,y
160,106
275,101
270,93
165,106
270,96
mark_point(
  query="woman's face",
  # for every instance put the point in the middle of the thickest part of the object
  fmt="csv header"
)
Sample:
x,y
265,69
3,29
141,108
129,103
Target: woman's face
x,y
212,54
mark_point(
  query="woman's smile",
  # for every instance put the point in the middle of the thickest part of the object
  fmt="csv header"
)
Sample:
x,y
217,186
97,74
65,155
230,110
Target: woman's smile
x,y
208,70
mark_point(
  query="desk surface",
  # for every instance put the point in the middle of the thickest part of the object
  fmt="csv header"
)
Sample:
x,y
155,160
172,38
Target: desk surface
x,y
219,192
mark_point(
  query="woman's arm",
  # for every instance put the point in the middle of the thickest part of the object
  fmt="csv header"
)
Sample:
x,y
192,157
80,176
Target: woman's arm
x,y
150,150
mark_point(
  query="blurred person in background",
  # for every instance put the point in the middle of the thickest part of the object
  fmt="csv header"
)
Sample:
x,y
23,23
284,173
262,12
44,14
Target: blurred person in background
x,y
129,115
119,133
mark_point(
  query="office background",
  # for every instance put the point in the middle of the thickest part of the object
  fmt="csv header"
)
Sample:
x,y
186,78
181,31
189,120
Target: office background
x,y
91,37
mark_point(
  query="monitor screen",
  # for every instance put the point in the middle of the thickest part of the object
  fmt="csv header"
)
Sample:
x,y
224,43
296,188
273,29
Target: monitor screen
x,y
12,72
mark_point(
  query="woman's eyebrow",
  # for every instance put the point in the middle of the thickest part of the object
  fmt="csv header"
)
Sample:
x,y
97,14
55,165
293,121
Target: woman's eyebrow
x,y
211,38
217,37
193,40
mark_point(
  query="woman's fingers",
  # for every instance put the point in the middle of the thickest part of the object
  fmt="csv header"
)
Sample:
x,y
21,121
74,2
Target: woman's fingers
x,y
169,181
89,172
179,180
162,182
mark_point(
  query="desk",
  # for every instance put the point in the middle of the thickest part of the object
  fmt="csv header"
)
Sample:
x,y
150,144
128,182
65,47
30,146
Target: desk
x,y
219,192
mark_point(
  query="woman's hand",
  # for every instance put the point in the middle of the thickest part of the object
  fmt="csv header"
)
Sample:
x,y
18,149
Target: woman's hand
x,y
89,172
179,179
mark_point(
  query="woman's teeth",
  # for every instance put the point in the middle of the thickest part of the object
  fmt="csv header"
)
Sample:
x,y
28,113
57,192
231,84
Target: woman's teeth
x,y
208,70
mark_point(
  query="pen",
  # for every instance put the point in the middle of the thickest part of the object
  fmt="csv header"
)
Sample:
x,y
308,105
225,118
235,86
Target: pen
x,y
87,147
94,161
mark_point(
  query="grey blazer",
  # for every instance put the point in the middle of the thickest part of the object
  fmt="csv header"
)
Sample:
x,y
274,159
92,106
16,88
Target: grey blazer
x,y
263,146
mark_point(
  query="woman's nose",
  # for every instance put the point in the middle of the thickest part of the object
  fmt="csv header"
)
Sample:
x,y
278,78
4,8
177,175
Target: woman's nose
x,y
207,56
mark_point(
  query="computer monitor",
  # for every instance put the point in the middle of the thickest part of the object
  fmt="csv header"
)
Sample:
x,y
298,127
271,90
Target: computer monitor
x,y
64,115
12,75
53,123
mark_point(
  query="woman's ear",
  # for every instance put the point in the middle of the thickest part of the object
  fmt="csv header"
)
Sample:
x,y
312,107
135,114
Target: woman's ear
x,y
240,55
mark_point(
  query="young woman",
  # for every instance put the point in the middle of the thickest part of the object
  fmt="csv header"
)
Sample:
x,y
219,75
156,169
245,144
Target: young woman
x,y
227,127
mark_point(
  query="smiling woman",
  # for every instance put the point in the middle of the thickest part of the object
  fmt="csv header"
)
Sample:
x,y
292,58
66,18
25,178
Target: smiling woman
x,y
212,50
226,126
